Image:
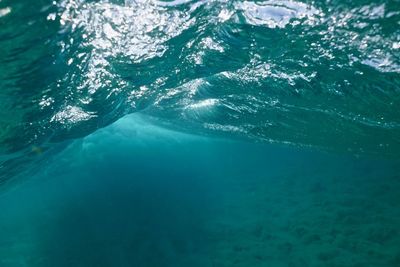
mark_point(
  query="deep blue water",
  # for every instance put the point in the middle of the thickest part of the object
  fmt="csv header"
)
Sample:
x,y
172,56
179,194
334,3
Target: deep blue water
x,y
199,133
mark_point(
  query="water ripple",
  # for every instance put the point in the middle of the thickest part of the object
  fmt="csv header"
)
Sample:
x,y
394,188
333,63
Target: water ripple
x,y
298,72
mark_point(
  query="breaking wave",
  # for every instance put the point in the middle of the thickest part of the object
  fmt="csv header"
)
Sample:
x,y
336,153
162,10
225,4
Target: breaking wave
x,y
303,73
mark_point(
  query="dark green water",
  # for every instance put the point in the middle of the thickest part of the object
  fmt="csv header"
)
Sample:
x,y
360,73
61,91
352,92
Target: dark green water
x,y
199,133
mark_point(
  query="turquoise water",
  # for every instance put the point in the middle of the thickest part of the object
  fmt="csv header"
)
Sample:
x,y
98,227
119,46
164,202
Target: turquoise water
x,y
199,133
136,194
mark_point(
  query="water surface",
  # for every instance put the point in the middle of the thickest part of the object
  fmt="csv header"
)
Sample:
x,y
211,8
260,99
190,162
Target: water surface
x,y
199,133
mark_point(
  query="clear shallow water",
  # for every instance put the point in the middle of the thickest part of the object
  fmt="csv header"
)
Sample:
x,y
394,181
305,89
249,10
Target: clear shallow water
x,y
136,194
264,133
322,74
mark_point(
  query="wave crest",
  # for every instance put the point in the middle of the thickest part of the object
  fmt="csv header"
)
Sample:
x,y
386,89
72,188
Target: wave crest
x,y
305,73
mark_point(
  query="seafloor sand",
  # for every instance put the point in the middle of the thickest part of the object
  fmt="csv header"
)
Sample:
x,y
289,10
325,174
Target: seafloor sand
x,y
134,194
347,216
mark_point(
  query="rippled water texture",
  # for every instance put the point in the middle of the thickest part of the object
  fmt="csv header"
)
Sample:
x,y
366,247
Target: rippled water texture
x,y
208,133
323,74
